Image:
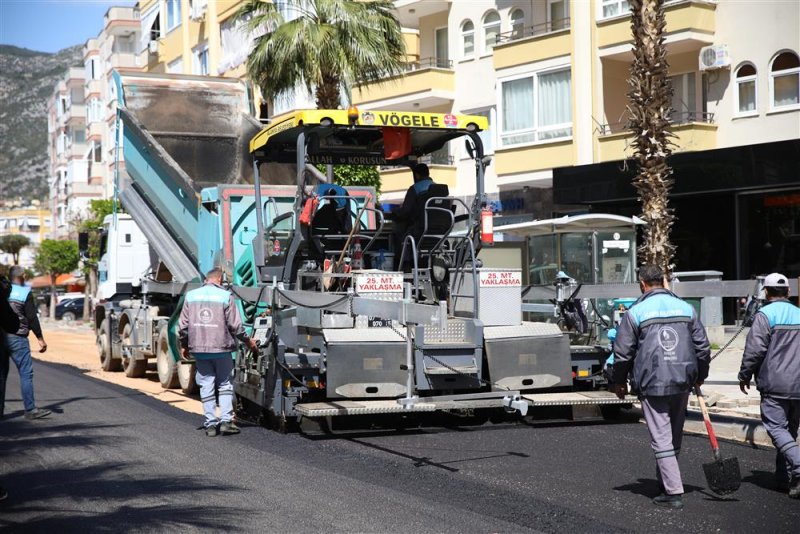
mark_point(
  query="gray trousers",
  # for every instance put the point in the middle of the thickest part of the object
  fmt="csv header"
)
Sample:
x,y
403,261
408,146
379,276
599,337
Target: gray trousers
x,y
215,375
781,418
665,417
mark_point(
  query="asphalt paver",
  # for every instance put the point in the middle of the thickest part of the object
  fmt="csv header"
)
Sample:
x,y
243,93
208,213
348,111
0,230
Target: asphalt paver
x,y
111,459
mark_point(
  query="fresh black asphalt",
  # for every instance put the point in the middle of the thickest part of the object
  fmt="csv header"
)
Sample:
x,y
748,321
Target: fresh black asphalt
x,y
112,459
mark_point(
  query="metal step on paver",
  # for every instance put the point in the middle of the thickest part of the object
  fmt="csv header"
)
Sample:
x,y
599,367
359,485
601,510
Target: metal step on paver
x,y
576,398
364,407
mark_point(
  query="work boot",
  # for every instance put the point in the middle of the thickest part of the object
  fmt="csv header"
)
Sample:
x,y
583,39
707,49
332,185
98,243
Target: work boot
x,y
794,488
669,501
211,431
229,427
36,413
782,485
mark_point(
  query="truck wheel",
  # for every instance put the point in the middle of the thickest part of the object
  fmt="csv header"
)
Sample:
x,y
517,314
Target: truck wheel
x,y
167,367
107,363
133,368
186,377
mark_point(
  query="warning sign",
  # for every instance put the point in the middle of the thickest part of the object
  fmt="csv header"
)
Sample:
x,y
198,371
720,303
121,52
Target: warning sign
x,y
382,283
500,279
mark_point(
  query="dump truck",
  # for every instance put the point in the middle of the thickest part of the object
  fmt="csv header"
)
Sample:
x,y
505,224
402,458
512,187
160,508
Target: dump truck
x,y
341,331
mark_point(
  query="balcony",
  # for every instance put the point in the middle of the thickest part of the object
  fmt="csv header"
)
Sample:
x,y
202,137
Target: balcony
x,y
84,189
529,158
75,112
121,20
124,61
96,130
94,87
409,12
690,25
533,43
695,130
427,83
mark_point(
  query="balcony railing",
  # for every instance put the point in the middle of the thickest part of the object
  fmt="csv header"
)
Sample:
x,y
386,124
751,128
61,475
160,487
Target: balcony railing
x,y
676,118
543,28
429,63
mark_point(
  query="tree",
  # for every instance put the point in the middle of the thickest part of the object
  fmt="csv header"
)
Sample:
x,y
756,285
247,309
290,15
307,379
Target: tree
x,y
330,45
54,258
93,226
362,175
650,99
12,244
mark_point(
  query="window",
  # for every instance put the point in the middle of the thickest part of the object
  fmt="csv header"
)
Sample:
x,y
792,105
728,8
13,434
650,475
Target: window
x,y
784,82
517,23
236,42
201,60
614,8
491,29
94,110
468,38
198,8
93,68
442,56
175,66
558,14
745,93
537,107
151,26
79,136
173,14
684,98
97,152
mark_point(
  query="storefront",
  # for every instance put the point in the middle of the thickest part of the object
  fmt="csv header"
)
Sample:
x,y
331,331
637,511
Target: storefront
x,y
737,209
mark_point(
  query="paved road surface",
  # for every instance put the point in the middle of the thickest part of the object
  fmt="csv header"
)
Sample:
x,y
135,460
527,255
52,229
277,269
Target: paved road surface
x,y
113,459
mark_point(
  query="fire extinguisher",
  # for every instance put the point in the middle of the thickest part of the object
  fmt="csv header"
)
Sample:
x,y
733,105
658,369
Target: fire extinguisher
x,y
309,208
487,226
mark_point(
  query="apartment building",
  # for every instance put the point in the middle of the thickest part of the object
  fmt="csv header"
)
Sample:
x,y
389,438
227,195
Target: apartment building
x,y
32,222
66,128
551,77
81,121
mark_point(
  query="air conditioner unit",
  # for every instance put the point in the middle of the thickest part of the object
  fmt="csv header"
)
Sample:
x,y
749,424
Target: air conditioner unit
x,y
714,57
152,46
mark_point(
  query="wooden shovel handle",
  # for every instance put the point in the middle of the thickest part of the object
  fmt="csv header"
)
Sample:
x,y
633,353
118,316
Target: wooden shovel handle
x,y
710,429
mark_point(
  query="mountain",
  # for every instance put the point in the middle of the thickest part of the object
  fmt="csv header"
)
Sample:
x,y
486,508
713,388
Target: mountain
x,y
27,80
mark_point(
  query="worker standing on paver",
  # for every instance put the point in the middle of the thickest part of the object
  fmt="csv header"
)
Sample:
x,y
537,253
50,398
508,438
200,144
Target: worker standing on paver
x,y
772,355
664,348
209,327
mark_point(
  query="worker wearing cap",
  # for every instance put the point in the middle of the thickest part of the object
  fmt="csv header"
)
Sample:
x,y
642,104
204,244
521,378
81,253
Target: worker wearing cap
x,y
772,355
664,348
209,327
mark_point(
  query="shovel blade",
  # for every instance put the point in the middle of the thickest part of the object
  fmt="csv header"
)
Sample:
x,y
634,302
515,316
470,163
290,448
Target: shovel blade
x,y
723,476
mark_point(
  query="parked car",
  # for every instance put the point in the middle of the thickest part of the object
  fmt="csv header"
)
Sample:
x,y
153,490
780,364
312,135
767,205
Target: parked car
x,y
70,309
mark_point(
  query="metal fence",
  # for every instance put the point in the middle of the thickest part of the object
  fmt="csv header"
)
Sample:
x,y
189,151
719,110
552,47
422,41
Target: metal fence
x,y
521,32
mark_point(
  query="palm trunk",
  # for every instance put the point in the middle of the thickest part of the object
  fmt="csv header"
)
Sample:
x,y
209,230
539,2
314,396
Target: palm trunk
x,y
327,93
53,297
650,99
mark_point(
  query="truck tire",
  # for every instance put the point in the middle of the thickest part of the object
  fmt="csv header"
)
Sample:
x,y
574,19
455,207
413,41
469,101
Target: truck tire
x,y
133,368
107,363
186,377
165,364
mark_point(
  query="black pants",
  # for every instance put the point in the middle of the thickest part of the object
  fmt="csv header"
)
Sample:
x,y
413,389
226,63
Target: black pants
x,y
4,359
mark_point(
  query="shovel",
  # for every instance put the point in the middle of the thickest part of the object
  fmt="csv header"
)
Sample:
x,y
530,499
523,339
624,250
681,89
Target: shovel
x,y
723,475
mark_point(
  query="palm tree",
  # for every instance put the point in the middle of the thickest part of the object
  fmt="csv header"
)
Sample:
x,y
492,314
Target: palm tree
x,y
649,108
330,45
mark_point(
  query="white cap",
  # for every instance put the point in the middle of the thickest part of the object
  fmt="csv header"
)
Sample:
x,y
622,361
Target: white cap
x,y
776,280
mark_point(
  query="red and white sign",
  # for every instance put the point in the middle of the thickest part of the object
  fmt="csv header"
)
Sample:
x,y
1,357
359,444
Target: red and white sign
x,y
451,121
500,279
379,283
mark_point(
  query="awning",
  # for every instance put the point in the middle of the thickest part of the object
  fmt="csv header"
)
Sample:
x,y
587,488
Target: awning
x,y
62,280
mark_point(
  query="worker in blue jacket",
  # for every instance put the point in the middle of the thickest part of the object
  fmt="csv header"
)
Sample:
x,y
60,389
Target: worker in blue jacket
x,y
663,347
772,355
21,302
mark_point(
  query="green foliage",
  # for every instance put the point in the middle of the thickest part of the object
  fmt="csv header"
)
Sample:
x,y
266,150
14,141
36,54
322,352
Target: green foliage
x,y
12,244
57,257
331,44
363,175
93,224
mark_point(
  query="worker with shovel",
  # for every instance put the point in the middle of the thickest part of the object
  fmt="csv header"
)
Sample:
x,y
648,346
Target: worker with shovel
x,y
772,355
664,348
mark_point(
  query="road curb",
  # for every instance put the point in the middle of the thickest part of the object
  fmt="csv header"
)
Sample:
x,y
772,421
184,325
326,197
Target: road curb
x,y
744,430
